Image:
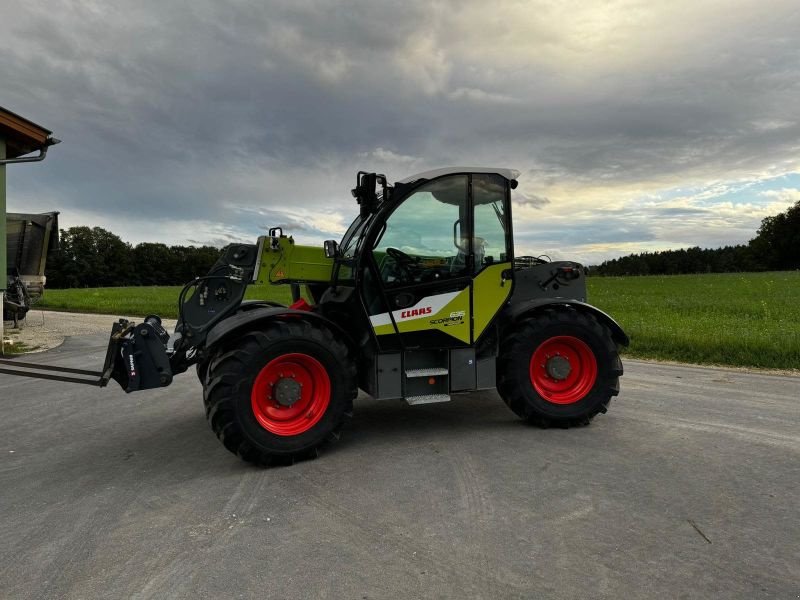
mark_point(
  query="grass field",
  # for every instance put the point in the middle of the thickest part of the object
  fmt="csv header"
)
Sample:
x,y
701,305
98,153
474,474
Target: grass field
x,y
741,319
750,319
133,301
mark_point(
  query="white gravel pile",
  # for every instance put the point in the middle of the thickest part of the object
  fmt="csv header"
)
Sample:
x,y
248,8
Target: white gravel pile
x,y
43,330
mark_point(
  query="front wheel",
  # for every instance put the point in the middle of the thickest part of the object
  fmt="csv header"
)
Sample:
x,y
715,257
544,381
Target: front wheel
x,y
560,368
279,393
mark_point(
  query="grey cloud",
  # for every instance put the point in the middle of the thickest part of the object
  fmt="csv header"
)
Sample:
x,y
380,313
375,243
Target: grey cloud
x,y
531,200
549,234
186,112
681,211
216,242
293,226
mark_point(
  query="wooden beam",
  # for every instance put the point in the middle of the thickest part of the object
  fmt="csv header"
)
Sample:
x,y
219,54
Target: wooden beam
x,y
21,136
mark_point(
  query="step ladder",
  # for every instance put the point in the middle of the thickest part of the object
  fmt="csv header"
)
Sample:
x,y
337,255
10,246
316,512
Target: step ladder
x,y
426,376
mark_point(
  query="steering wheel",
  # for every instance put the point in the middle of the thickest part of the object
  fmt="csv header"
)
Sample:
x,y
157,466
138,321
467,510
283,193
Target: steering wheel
x,y
405,264
401,257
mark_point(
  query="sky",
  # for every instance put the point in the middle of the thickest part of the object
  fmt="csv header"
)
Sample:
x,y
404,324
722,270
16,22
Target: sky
x,y
636,125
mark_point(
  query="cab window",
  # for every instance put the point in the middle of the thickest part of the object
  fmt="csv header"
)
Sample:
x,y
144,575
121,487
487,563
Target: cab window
x,y
352,236
422,240
491,221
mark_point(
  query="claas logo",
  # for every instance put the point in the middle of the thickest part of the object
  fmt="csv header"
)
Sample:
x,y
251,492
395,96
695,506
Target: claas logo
x,y
416,312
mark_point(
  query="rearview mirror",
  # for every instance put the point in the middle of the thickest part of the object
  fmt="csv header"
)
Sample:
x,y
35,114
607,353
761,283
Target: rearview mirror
x,y
331,248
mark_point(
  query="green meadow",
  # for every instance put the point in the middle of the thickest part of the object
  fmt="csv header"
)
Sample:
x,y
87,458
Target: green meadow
x,y
739,319
137,301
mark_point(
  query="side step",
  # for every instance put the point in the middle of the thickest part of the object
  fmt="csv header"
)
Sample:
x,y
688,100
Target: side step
x,y
431,372
427,376
428,399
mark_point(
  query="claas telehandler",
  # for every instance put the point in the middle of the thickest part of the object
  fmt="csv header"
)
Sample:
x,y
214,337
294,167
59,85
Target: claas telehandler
x,y
422,299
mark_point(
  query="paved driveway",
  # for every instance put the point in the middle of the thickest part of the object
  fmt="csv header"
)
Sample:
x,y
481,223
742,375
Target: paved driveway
x,y
688,487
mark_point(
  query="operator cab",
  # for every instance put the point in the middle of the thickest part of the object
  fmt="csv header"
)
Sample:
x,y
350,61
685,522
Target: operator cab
x,y
414,239
431,254
428,238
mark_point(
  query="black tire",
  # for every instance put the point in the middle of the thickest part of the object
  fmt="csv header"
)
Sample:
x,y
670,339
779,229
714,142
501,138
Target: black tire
x,y
232,371
202,371
515,382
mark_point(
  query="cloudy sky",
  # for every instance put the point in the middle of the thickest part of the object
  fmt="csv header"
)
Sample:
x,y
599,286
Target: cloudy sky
x,y
637,125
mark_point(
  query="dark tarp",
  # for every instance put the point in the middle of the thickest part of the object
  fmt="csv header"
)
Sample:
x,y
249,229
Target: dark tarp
x,y
28,239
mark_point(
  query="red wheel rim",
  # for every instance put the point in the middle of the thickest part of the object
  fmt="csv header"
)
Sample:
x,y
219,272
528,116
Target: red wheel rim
x,y
299,373
563,369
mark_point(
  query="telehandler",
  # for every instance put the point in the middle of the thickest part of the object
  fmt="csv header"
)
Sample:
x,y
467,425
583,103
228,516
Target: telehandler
x,y
422,299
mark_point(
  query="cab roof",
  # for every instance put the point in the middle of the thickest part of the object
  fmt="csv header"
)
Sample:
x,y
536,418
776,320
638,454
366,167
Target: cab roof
x,y
507,173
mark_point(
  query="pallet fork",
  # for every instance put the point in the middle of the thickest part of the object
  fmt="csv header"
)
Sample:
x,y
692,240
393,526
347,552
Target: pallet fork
x,y
137,358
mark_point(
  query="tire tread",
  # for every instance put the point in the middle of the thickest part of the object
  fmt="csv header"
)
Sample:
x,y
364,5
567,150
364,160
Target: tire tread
x,y
223,382
510,385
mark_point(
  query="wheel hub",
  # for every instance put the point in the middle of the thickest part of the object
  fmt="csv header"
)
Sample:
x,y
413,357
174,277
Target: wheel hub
x,y
563,369
287,391
290,394
558,367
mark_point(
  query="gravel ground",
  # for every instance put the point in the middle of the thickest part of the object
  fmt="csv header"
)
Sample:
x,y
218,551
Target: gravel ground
x,y
687,489
44,330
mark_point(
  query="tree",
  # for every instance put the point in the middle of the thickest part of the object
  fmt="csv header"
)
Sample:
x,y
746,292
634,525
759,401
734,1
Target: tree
x,y
776,246
88,257
94,257
153,264
778,240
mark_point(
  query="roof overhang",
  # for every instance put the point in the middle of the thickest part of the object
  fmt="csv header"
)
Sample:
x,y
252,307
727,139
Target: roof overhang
x,y
507,173
21,135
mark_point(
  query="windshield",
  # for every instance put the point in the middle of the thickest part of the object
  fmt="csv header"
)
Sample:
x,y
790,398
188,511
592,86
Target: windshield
x,y
347,248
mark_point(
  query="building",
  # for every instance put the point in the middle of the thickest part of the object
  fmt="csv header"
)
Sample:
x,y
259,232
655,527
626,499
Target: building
x,y
18,138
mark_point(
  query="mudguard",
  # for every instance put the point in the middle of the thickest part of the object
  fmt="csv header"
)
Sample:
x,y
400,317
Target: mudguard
x,y
247,319
515,311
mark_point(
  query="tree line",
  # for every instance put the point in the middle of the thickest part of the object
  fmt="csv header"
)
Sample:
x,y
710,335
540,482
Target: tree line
x,y
95,257
776,247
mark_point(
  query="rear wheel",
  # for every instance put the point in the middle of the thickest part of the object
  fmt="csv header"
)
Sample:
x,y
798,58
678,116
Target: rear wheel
x,y
559,368
278,394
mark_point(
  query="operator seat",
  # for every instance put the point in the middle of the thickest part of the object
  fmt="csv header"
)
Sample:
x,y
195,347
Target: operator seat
x,y
460,260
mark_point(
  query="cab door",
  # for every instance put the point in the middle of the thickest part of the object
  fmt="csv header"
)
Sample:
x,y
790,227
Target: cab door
x,y
422,259
439,267
492,248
